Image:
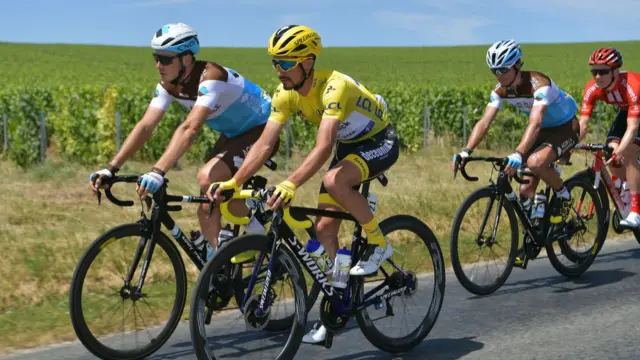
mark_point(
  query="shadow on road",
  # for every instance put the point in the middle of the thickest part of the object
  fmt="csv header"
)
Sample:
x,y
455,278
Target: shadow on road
x,y
618,255
588,280
434,349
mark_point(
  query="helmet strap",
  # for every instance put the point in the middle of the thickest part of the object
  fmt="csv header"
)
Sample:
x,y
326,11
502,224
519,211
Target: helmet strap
x,y
305,76
183,69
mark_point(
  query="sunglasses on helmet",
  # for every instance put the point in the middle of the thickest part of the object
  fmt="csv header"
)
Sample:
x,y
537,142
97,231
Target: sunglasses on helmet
x,y
164,59
286,65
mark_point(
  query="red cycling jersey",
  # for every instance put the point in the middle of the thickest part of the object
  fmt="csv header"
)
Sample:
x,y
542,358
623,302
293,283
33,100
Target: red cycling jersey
x,y
624,95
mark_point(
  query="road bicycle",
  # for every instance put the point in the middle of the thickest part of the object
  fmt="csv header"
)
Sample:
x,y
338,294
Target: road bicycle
x,y
169,273
537,234
284,254
598,175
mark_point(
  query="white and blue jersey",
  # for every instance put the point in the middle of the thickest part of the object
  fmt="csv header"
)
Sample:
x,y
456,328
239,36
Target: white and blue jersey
x,y
537,89
236,105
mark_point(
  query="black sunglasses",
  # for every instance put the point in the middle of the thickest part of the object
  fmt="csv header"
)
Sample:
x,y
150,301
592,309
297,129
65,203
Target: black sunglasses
x,y
164,59
595,72
500,71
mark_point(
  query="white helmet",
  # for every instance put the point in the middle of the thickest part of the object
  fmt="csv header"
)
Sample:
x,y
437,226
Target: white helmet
x,y
503,54
176,37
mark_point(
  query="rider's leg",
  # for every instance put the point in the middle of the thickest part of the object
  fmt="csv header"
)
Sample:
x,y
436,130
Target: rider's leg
x,y
616,132
630,163
215,171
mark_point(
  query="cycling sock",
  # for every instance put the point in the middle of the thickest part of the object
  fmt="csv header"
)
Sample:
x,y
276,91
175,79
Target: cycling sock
x,y
563,193
635,202
374,235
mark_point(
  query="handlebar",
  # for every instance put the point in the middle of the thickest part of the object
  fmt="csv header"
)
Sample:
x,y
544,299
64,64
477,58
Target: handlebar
x,y
114,180
259,195
596,147
500,161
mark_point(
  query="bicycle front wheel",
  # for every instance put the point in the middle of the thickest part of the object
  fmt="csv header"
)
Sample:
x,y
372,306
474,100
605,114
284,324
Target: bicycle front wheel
x,y
409,280
99,291
224,334
477,227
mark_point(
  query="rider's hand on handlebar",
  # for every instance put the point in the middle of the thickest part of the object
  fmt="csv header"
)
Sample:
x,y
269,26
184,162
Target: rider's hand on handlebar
x,y
215,190
150,182
283,195
96,179
464,154
515,161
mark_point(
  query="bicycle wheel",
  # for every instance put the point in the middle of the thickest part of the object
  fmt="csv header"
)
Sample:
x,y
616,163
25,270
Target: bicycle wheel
x,y
432,273
166,272
286,267
589,176
575,228
485,217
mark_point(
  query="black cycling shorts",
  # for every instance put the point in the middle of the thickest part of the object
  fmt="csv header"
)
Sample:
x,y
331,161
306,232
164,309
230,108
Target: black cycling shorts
x,y
373,156
619,127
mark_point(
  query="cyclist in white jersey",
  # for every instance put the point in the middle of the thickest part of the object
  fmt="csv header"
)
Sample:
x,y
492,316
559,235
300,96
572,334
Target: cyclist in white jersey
x,y
217,96
552,131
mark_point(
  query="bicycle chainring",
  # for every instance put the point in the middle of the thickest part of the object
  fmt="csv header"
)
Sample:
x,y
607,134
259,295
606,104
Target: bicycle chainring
x,y
329,318
251,318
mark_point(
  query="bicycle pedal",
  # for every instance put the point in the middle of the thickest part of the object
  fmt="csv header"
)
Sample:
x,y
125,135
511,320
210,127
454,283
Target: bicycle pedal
x,y
523,264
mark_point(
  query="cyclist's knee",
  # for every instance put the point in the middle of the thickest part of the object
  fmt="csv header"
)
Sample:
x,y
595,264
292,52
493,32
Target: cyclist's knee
x,y
539,160
341,178
215,172
327,227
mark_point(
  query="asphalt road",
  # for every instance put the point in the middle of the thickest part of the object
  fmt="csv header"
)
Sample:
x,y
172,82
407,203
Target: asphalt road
x,y
537,314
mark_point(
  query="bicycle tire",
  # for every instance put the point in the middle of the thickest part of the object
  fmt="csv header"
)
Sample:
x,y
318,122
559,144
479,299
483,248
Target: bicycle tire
x,y
234,247
75,294
577,271
468,284
406,343
589,176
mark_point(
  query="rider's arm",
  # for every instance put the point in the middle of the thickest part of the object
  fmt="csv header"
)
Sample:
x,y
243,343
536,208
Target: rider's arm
x,y
259,152
589,96
482,126
542,97
335,103
144,128
211,87
533,129
584,127
325,140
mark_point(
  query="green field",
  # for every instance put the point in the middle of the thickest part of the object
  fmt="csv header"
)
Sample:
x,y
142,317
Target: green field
x,y
53,65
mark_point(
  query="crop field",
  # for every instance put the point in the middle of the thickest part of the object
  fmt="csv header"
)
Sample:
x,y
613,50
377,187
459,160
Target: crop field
x,y
54,65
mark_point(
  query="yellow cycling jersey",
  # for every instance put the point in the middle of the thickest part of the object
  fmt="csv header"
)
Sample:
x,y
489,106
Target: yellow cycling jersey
x,y
333,96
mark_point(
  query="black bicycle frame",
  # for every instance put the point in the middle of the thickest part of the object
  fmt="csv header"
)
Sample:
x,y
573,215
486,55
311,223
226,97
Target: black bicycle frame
x,y
340,303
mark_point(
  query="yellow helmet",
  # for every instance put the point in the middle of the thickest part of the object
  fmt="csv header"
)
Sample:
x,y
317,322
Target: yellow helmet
x,y
295,41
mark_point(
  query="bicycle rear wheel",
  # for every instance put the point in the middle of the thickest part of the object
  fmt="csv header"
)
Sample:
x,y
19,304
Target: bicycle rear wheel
x,y
166,273
575,230
285,268
402,284
505,241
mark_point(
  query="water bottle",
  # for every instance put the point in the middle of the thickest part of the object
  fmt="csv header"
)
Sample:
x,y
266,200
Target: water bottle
x,y
373,201
317,252
341,268
226,234
538,206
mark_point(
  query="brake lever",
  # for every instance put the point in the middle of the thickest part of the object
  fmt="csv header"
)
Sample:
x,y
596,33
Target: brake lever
x,y
99,197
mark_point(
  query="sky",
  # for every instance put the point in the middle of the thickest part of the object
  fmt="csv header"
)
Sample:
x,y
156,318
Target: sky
x,y
249,23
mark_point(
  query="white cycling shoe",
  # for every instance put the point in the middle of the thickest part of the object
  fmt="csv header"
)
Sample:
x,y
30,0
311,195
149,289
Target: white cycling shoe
x,y
632,221
316,335
372,260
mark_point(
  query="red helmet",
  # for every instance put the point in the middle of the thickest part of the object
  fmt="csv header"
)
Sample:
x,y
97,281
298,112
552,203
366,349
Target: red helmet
x,y
606,56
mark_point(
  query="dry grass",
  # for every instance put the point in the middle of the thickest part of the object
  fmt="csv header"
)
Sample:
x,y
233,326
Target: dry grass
x,y
49,217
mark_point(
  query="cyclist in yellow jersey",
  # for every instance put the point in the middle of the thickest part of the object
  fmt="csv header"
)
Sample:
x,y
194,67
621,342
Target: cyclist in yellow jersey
x,y
349,117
